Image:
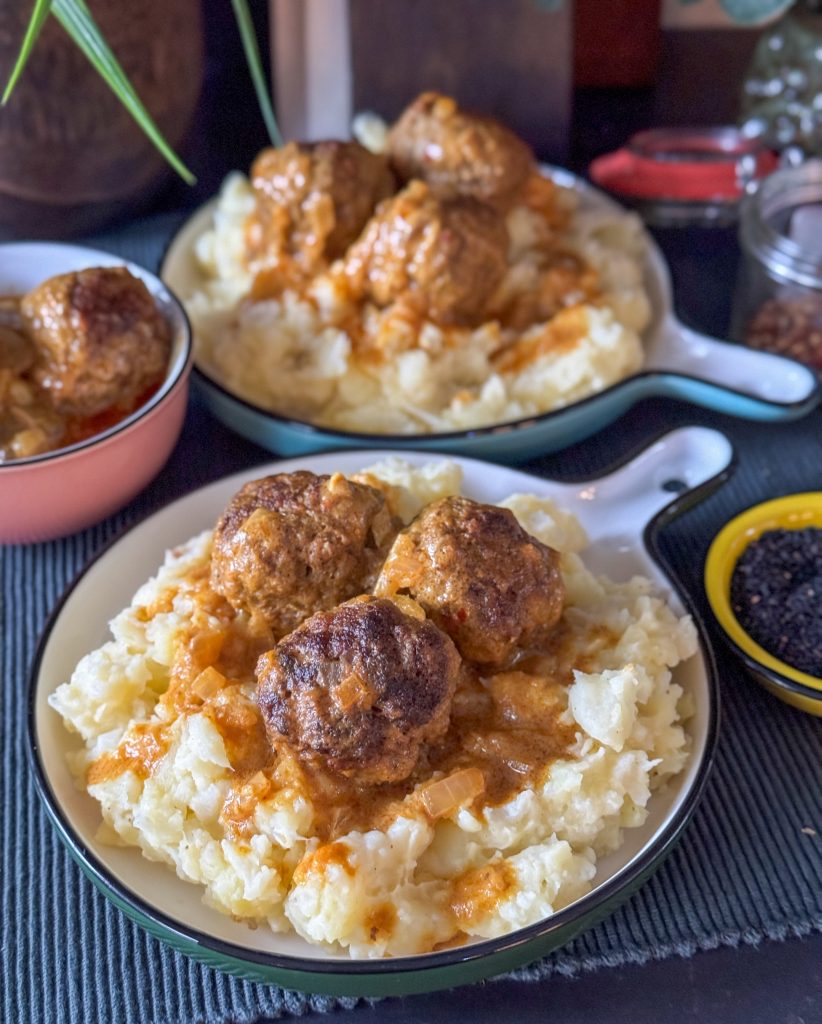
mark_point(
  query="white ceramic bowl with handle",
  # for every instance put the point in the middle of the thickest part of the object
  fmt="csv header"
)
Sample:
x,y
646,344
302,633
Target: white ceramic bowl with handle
x,y
622,514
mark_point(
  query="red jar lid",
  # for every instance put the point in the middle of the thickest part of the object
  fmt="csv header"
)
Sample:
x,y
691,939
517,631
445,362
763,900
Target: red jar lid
x,y
684,165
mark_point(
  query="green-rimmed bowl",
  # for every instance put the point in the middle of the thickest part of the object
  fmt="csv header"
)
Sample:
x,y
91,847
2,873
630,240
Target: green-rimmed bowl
x,y
622,513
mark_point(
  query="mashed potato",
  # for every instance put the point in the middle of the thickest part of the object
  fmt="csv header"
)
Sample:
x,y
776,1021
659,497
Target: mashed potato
x,y
298,354
161,731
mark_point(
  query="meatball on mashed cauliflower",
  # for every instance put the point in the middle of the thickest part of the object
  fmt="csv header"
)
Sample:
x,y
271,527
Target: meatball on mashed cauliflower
x,y
458,154
381,749
360,689
445,256
78,353
493,588
427,278
290,544
314,199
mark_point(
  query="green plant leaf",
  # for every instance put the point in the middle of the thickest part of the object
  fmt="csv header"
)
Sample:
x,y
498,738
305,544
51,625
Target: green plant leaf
x,y
76,19
38,16
753,12
255,66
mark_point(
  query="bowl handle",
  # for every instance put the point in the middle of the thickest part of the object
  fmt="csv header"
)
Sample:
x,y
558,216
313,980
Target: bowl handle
x,y
732,378
673,473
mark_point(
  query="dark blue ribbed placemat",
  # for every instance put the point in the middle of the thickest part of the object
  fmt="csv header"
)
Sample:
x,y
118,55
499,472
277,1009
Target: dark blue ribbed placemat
x,y
748,868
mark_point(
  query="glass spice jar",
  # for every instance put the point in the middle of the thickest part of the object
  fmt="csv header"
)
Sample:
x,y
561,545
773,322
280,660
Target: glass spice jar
x,y
782,93
778,301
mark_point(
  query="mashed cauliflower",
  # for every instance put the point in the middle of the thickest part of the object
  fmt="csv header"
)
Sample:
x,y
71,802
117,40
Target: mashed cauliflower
x,y
419,880
298,355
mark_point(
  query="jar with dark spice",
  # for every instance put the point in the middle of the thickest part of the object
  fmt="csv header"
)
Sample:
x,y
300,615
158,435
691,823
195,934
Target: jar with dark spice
x,y
778,304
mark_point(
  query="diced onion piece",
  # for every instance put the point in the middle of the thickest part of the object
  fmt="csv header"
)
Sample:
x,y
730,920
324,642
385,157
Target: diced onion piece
x,y
338,484
208,682
408,606
403,566
353,691
32,441
206,647
445,795
258,784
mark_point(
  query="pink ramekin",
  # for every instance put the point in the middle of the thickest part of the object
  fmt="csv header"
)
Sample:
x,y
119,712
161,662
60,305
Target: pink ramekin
x,y
60,492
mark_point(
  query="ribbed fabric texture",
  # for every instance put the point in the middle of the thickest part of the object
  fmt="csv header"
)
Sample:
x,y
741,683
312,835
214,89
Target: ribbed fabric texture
x,y
749,867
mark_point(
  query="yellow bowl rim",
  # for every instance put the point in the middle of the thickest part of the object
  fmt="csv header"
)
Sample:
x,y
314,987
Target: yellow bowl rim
x,y
791,512
777,687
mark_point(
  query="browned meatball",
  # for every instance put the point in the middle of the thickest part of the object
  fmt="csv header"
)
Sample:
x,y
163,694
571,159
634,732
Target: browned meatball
x,y
450,255
359,690
290,544
313,200
459,154
492,587
102,342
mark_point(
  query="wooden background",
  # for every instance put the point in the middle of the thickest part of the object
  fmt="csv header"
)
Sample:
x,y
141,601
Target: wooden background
x,y
512,58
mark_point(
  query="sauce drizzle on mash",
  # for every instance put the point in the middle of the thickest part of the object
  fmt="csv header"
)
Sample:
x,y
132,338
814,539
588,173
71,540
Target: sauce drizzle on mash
x,y
430,280
544,761
509,726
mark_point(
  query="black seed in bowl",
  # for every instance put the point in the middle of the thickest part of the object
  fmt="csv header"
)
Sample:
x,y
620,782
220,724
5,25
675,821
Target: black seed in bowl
x,y
776,595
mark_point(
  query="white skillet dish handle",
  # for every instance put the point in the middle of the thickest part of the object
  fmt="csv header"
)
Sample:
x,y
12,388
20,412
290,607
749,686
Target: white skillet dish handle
x,y
673,473
685,364
754,384
746,376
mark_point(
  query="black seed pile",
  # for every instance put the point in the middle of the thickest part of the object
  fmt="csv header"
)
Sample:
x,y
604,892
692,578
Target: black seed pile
x,y
776,595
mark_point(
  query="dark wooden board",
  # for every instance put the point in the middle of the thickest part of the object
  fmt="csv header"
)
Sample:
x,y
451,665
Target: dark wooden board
x,y
512,59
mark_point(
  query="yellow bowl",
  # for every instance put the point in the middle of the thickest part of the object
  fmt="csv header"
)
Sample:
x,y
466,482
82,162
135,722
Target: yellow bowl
x,y
794,512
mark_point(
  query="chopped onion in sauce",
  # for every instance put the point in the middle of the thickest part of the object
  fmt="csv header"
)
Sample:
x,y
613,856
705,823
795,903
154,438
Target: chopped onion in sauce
x,y
208,682
445,795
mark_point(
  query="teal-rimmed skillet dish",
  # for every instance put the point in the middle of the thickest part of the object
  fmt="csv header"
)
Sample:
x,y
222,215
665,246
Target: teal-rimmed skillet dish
x,y
679,363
